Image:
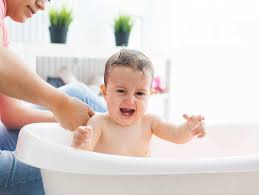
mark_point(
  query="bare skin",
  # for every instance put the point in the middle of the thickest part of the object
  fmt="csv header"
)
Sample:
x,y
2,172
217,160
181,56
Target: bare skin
x,y
126,129
17,83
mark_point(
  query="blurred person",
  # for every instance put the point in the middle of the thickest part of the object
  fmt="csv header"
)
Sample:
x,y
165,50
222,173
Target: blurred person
x,y
17,83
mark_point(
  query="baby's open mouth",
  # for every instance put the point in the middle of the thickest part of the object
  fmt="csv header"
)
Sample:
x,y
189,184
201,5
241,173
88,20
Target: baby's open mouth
x,y
127,112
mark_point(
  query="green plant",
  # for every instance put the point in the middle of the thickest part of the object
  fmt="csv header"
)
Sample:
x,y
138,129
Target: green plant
x,y
123,23
60,18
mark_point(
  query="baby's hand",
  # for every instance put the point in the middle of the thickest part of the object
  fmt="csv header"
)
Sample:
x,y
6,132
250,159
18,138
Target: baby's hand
x,y
195,125
81,138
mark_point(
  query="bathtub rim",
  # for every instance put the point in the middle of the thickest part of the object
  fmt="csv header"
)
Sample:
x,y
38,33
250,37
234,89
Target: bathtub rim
x,y
107,164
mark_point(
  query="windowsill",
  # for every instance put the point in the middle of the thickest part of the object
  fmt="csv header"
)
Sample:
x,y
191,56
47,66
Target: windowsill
x,y
74,50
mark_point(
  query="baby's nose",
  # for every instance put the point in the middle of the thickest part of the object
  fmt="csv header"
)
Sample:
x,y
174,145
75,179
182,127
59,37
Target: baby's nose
x,y
130,100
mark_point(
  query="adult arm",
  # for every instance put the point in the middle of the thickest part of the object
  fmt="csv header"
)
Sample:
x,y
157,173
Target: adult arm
x,y
15,114
18,81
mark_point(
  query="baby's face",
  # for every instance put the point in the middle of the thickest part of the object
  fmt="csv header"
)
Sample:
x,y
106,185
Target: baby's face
x,y
126,93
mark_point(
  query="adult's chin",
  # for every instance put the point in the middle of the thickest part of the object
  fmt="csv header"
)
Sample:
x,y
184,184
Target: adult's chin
x,y
19,19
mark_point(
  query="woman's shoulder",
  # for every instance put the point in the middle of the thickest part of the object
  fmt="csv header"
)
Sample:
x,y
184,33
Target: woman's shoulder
x,y
2,10
3,31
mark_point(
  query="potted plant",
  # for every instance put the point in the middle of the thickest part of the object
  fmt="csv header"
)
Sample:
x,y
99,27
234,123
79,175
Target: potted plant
x,y
122,28
60,19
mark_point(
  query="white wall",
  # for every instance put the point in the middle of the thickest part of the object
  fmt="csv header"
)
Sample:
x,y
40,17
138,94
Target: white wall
x,y
215,56
92,25
213,44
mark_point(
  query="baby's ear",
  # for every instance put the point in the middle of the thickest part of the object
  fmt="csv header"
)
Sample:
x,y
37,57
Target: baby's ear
x,y
103,89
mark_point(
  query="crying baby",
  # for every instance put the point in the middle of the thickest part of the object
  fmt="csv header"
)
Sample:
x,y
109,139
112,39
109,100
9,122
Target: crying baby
x,y
126,129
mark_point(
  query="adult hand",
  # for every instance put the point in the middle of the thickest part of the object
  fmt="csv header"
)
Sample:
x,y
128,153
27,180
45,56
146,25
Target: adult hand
x,y
72,113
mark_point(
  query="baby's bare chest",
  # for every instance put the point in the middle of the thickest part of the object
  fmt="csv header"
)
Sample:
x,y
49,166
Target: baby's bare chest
x,y
125,141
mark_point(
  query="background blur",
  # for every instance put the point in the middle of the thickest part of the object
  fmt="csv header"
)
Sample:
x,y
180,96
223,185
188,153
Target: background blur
x,y
212,47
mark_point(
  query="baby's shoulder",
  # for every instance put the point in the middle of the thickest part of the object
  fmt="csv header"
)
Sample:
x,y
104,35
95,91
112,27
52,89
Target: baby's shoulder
x,y
98,119
150,118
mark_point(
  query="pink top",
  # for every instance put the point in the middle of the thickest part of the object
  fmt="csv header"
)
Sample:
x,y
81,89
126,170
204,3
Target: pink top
x,y
2,23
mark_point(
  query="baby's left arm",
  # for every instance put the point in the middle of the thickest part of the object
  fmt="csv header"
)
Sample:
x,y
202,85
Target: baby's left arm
x,y
178,134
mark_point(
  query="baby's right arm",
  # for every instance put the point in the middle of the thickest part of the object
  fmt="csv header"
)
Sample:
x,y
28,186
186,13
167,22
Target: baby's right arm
x,y
86,137
82,138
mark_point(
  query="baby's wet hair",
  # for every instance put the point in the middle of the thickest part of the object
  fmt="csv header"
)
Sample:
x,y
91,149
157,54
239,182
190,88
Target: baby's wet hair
x,y
129,58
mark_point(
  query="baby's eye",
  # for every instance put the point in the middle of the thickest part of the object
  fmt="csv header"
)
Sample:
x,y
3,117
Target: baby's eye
x,y
120,91
141,93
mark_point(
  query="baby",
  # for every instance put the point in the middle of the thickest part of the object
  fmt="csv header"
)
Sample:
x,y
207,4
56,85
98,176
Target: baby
x,y
126,129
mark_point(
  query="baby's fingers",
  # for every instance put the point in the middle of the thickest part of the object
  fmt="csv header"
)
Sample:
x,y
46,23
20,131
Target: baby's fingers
x,y
81,135
83,131
197,118
202,134
198,128
186,117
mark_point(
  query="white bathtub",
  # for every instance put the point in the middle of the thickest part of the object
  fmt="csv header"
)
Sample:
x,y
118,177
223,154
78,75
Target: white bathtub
x,y
225,162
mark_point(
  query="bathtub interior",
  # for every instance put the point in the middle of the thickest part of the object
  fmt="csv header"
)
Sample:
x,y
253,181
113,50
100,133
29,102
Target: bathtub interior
x,y
221,140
